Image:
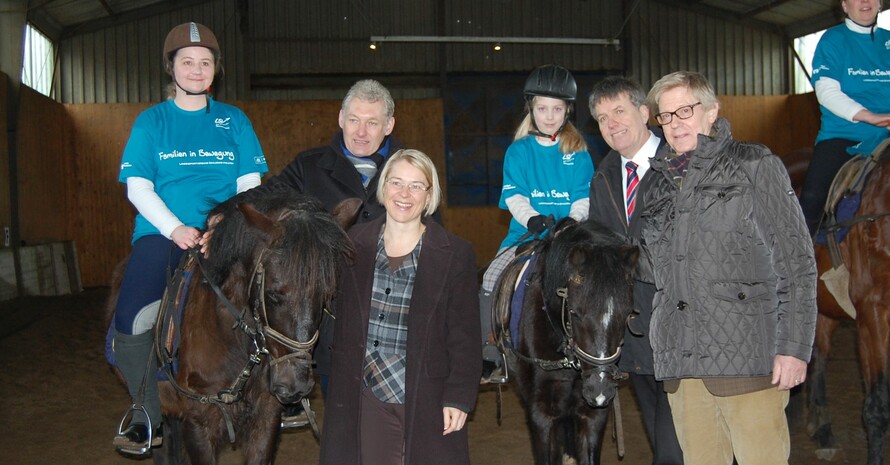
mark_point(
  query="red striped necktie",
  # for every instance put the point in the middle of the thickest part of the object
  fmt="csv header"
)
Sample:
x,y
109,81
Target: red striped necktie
x,y
632,182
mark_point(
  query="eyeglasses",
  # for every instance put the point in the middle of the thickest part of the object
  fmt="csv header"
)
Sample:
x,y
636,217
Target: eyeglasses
x,y
684,112
413,187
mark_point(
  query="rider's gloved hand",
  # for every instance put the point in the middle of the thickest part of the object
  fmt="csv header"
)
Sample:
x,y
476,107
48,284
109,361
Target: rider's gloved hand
x,y
538,223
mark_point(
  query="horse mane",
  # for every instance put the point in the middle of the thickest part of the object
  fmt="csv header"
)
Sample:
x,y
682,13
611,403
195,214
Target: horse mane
x,y
308,235
570,239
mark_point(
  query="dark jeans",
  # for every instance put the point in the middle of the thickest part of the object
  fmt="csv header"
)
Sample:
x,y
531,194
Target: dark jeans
x,y
828,158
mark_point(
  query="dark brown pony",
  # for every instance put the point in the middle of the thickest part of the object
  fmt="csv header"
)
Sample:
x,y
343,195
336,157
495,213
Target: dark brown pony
x,y
866,253
245,348
577,299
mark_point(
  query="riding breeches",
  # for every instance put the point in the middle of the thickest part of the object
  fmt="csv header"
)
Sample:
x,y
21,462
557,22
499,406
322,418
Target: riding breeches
x,y
152,260
828,158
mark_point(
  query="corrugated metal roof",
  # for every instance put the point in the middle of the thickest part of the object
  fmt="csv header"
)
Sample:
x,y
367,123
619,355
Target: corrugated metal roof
x,y
791,18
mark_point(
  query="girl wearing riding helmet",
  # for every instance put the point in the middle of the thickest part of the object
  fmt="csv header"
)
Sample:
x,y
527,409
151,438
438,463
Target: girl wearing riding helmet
x,y
547,172
183,156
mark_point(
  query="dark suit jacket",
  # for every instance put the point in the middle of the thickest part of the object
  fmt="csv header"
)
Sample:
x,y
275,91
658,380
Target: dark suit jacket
x,y
444,352
607,208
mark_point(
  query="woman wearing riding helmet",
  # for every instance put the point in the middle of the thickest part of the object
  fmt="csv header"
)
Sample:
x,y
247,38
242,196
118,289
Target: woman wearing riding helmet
x,y
547,172
855,104
183,156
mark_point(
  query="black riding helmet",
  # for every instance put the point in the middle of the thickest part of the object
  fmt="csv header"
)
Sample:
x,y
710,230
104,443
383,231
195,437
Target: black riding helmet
x,y
552,81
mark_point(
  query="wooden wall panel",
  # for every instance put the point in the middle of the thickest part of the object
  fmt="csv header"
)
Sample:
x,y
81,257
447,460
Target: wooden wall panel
x,y
764,120
804,116
45,169
103,224
484,227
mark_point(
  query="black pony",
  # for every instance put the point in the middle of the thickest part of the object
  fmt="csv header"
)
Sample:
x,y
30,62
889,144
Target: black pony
x,y
250,318
578,296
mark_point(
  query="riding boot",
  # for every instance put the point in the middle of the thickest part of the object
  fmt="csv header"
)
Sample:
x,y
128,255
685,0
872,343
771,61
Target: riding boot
x,y
136,360
492,359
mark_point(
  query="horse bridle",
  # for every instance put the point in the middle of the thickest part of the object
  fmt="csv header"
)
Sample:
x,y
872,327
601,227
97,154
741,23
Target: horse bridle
x,y
258,332
574,351
574,354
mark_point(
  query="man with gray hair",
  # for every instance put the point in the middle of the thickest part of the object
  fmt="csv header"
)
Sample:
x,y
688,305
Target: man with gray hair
x,y
735,276
346,168
618,105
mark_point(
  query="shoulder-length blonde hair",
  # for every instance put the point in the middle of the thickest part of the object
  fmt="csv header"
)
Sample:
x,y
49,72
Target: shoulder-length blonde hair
x,y
570,140
420,161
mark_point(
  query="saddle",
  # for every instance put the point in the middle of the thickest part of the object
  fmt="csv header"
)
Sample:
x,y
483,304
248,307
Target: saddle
x,y
508,317
843,201
169,322
844,197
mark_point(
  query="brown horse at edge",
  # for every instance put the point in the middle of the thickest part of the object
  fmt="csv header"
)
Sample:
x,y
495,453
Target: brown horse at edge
x,y
866,253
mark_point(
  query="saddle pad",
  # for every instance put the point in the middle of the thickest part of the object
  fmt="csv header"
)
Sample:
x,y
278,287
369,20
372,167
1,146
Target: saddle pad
x,y
846,210
519,298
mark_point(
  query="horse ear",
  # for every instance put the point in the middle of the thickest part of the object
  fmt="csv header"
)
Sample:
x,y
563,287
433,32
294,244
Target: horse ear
x,y
346,212
257,220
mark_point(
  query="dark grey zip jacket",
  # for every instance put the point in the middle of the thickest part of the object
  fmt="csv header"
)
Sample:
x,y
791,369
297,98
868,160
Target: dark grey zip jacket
x,y
734,267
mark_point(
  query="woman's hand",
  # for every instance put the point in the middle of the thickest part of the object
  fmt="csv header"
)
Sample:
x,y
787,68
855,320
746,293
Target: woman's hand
x,y
204,241
185,237
875,119
455,419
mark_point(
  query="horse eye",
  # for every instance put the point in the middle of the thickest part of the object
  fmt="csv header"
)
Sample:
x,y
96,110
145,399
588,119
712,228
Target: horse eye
x,y
274,297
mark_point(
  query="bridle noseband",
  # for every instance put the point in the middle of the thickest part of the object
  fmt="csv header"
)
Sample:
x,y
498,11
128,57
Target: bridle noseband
x,y
574,353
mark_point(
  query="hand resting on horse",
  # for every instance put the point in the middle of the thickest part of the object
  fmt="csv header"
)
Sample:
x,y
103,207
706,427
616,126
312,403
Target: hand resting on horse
x,y
204,241
185,237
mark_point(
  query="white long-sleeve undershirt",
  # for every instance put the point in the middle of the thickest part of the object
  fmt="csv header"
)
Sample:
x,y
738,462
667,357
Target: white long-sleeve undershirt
x,y
828,90
521,208
830,96
142,195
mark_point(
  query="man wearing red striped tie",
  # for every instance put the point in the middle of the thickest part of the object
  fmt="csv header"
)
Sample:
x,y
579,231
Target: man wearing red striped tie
x,y
618,105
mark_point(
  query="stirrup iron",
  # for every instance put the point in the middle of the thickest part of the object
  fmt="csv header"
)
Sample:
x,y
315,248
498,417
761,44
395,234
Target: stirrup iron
x,y
127,447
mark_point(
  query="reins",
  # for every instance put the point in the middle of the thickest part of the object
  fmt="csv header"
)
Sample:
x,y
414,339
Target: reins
x,y
574,354
257,328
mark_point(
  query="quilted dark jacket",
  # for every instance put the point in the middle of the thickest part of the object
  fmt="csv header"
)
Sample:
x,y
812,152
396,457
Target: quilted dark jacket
x,y
734,267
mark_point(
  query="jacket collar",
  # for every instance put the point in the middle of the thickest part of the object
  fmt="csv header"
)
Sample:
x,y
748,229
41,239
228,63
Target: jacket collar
x,y
343,171
709,146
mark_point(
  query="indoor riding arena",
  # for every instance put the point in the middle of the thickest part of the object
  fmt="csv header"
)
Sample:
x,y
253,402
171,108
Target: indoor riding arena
x,y
456,70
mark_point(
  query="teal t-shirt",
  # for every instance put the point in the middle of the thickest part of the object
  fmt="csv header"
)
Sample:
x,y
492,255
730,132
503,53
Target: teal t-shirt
x,y
550,180
862,66
193,158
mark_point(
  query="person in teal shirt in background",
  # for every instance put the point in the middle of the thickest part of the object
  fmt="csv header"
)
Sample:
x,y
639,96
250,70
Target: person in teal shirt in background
x,y
851,76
